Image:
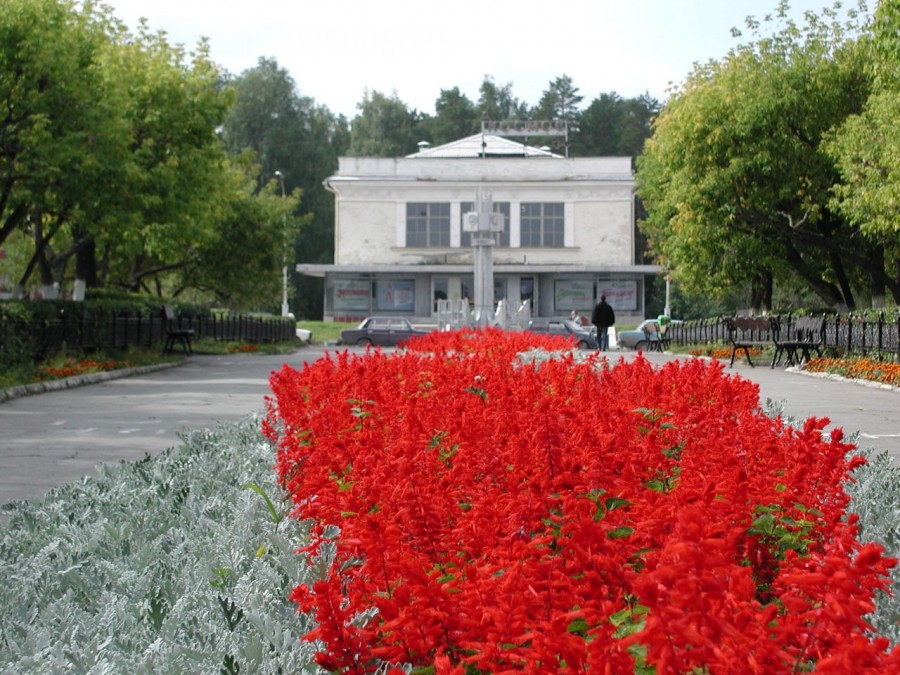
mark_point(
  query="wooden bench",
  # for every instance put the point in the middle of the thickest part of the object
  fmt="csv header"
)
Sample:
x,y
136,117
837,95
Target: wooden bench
x,y
657,340
806,335
175,333
746,333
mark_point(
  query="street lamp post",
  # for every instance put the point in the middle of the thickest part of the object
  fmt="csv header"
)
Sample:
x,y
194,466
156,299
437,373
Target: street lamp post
x,y
284,269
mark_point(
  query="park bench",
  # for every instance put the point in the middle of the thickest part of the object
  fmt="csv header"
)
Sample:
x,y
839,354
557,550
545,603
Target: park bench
x,y
657,340
175,333
746,333
806,336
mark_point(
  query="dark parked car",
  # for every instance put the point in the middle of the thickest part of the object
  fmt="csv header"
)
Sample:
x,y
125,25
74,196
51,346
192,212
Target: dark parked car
x,y
584,337
382,331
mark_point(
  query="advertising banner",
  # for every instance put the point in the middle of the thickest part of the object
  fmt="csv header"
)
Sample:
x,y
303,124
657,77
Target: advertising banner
x,y
396,294
351,295
620,294
569,295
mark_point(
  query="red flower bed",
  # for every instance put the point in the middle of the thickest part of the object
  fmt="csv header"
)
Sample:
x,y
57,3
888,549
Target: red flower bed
x,y
77,367
501,515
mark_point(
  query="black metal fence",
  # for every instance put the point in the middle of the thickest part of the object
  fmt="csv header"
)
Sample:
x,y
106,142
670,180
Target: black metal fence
x,y
845,334
43,337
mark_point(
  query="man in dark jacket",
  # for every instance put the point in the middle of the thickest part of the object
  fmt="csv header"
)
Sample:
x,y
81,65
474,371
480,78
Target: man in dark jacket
x,y
603,317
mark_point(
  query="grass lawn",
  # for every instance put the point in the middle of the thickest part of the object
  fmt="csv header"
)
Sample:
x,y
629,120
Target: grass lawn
x,y
324,332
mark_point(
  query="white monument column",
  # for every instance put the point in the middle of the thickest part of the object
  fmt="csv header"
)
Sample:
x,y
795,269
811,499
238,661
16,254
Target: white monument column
x,y
482,223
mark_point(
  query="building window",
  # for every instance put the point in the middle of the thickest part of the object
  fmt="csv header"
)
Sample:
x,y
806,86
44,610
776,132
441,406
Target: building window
x,y
440,290
500,238
427,224
543,225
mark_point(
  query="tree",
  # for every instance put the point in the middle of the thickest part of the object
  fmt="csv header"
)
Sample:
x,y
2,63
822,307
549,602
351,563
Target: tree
x,y
289,133
170,186
735,180
866,148
256,227
384,127
559,101
455,117
612,126
110,153
498,104
59,138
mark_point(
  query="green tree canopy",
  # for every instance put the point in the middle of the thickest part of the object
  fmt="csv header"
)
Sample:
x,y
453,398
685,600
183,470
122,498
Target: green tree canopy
x,y
455,117
384,127
559,101
291,134
498,103
110,152
867,146
613,126
735,179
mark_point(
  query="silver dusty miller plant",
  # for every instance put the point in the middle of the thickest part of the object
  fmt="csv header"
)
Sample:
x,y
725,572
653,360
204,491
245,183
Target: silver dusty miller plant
x,y
178,563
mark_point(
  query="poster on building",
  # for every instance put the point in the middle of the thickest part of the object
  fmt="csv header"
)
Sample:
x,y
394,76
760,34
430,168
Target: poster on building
x,y
351,295
395,295
620,294
569,295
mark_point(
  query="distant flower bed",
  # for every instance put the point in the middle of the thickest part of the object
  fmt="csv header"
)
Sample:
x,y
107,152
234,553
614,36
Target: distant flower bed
x,y
242,349
72,367
721,352
504,512
858,369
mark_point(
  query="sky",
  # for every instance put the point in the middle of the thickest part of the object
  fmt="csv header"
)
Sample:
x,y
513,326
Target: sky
x,y
335,50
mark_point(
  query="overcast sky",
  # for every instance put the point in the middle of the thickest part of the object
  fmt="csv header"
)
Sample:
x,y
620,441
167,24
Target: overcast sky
x,y
336,49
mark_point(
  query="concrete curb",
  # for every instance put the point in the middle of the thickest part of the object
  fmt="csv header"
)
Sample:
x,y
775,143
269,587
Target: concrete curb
x,y
840,378
11,393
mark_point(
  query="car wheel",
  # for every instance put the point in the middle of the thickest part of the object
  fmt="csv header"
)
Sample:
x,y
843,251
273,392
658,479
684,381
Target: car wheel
x,y
364,342
641,346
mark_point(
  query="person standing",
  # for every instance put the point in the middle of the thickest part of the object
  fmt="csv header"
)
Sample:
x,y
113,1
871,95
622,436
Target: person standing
x,y
603,317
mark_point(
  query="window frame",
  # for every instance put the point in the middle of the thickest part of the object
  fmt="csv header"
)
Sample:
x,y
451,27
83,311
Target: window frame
x,y
542,229
428,222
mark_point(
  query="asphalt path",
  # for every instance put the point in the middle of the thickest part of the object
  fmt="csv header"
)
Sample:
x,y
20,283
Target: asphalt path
x,y
60,436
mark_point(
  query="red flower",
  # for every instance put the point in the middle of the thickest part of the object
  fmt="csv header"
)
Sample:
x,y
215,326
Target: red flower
x,y
498,514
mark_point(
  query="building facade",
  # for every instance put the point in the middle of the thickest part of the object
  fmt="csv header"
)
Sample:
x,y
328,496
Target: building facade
x,y
568,231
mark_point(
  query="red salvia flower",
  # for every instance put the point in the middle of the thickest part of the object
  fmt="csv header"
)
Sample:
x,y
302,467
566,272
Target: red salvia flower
x,y
500,514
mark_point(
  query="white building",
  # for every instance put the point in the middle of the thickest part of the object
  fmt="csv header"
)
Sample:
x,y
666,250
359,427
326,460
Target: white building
x,y
569,231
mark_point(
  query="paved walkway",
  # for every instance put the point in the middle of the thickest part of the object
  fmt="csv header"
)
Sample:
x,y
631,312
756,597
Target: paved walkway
x,y
59,436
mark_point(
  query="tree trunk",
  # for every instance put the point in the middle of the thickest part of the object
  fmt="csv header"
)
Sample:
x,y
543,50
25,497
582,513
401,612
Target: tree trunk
x,y
761,291
85,265
840,273
824,289
877,282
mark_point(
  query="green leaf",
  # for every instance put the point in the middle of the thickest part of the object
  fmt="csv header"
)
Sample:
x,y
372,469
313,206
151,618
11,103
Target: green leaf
x,y
620,532
276,517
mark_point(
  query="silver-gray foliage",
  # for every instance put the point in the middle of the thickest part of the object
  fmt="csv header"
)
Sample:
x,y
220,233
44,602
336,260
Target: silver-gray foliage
x,y
163,565
874,495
